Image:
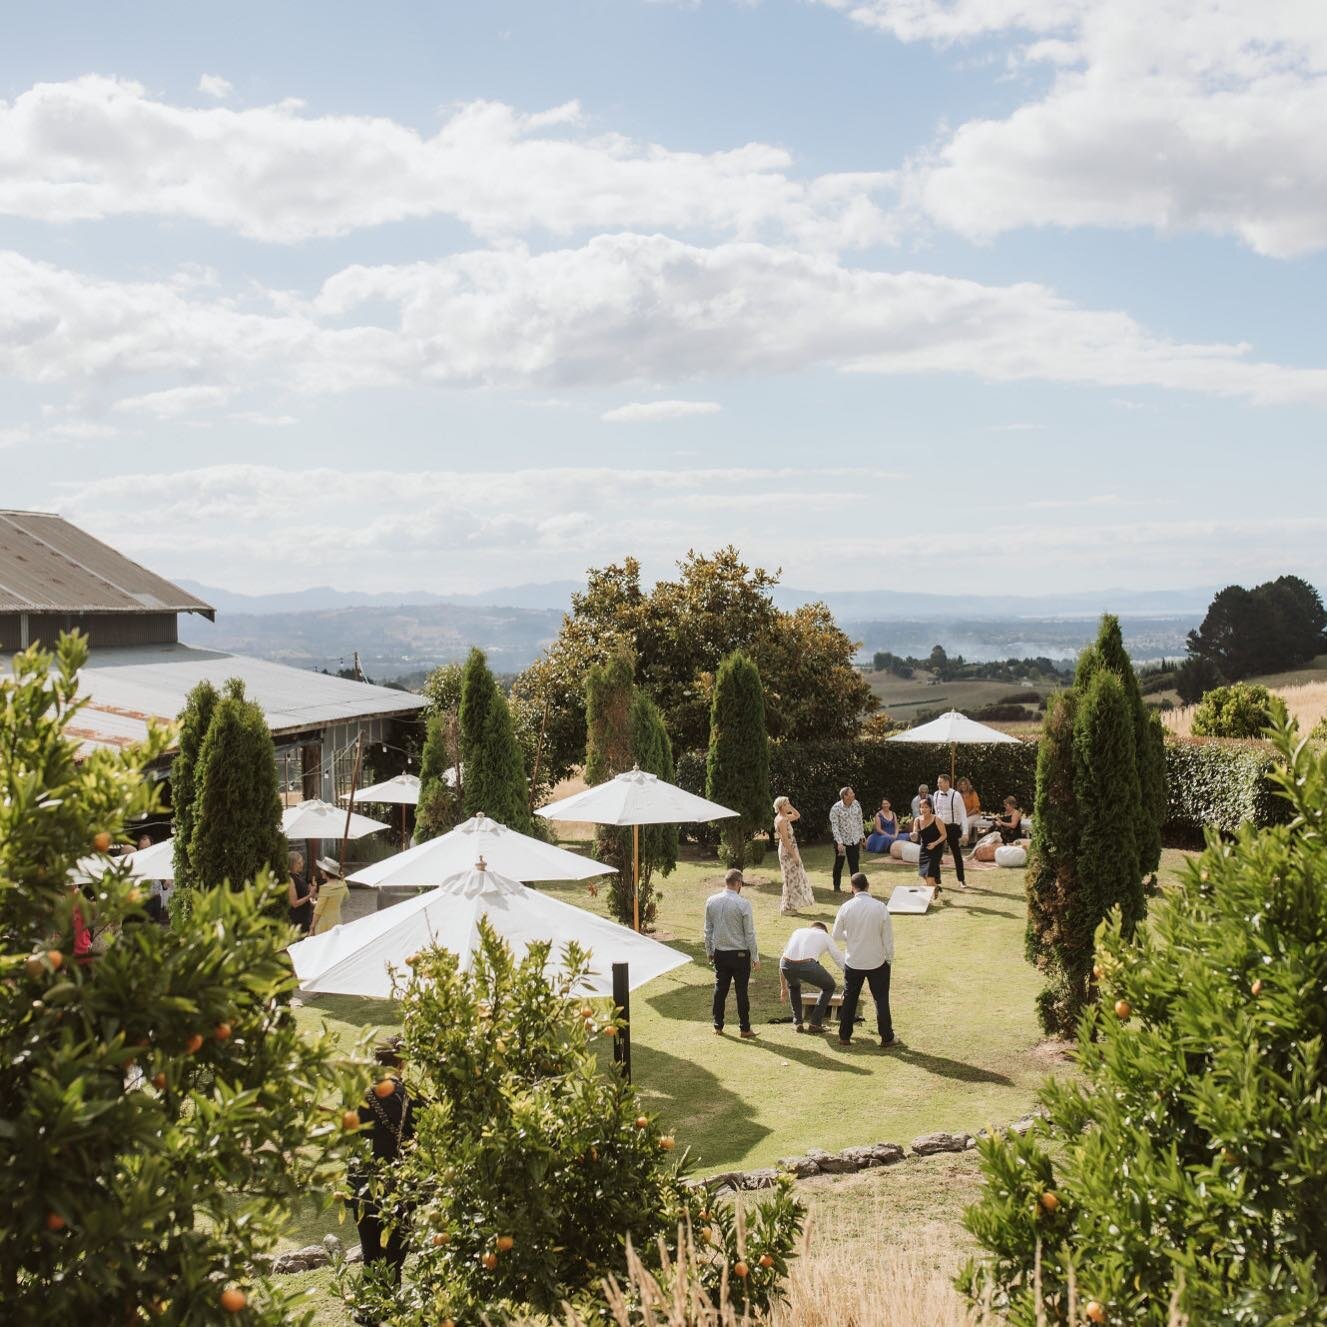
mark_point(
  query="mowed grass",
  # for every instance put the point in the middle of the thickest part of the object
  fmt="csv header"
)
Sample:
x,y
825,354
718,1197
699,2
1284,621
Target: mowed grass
x,y
962,999
905,698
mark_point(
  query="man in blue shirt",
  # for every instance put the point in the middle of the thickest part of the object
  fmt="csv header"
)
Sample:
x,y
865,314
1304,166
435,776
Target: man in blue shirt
x,y
730,942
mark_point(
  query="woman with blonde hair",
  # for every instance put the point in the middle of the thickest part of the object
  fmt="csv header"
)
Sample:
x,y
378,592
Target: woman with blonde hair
x,y
797,892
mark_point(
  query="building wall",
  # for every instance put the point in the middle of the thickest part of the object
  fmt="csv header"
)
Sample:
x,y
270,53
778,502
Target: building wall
x,y
103,630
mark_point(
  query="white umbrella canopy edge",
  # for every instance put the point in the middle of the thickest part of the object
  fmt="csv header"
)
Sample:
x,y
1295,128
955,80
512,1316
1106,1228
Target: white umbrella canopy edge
x,y
355,958
315,819
401,788
952,728
506,851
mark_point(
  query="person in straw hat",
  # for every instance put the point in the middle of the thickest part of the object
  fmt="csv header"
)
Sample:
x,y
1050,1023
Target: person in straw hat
x,y
331,895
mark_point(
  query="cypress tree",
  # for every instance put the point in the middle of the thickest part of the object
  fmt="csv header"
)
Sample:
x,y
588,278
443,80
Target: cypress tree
x,y
609,695
494,769
737,766
653,752
439,806
237,826
194,720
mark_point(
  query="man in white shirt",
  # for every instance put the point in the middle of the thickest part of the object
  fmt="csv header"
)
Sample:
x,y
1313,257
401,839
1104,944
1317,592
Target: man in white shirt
x,y
801,963
865,931
947,803
730,942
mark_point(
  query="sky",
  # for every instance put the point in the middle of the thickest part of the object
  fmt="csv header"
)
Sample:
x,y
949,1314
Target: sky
x,y
923,294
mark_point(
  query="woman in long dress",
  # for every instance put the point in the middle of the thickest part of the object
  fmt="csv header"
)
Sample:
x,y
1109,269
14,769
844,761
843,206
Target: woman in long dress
x,y
797,892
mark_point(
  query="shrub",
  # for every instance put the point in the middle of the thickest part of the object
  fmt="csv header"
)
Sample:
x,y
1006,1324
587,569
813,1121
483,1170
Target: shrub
x,y
237,812
493,769
1220,785
737,764
1186,1156
811,774
194,720
523,1137
1240,710
159,1110
440,797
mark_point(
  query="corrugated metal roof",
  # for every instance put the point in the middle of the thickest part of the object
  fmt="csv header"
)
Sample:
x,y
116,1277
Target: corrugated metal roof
x,y
127,687
50,566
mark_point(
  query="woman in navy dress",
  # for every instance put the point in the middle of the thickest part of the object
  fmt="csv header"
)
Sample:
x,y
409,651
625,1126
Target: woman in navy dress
x,y
886,829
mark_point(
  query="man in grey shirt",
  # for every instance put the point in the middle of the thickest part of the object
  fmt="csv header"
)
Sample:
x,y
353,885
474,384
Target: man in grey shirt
x,y
730,942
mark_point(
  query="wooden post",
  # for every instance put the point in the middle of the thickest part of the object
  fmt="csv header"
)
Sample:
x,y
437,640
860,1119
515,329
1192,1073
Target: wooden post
x,y
635,875
622,1010
953,748
350,803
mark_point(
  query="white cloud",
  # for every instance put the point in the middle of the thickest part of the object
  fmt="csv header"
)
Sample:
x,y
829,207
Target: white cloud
x,y
97,147
380,528
213,85
173,402
1180,115
622,309
647,412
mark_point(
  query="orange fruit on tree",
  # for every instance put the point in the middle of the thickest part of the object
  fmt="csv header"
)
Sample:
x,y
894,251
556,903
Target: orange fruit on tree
x,y
54,1221
504,1243
1256,988
586,1011
642,1122
1094,1311
222,1031
708,1234
194,1044
383,1088
134,897
1050,1200
233,1300
34,967
55,958
668,1142
441,1241
1123,1009
766,1260
1098,971
610,1029
159,1082
101,841
490,1261
741,1270
350,1121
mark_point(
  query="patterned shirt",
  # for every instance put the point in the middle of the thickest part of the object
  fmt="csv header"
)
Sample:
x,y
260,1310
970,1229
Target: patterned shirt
x,y
846,822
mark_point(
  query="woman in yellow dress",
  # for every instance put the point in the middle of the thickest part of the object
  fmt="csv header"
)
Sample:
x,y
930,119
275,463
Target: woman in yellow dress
x,y
331,894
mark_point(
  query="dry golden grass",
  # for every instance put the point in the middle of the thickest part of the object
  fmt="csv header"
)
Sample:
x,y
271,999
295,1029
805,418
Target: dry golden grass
x,y
1306,702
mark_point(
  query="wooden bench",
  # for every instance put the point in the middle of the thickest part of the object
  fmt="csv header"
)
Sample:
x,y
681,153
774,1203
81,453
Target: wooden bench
x,y
810,994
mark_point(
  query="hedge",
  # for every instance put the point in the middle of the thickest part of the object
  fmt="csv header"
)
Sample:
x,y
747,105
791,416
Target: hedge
x,y
1222,783
1209,781
811,773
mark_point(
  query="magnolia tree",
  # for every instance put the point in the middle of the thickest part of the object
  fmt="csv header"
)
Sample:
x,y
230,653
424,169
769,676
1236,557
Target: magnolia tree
x,y
159,1109
534,1168
1180,1176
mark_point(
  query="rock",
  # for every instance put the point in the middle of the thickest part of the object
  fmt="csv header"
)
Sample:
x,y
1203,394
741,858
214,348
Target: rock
x,y
832,1163
332,1244
930,1143
862,1158
300,1260
766,1178
355,1255
801,1167
886,1154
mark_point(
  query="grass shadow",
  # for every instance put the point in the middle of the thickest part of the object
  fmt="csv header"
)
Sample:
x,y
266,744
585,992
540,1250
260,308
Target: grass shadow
x,y
355,1010
943,1067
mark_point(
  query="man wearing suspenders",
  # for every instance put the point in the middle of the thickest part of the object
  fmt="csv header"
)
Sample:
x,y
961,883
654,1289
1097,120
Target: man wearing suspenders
x,y
953,815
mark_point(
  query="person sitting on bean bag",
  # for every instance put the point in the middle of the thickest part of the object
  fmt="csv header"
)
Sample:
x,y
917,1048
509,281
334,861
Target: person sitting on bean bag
x,y
1010,824
885,829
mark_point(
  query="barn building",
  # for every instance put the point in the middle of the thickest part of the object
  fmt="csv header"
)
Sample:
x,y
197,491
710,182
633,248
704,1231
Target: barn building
x,y
55,577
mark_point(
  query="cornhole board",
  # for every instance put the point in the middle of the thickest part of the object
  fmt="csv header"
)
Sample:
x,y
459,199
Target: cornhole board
x,y
911,898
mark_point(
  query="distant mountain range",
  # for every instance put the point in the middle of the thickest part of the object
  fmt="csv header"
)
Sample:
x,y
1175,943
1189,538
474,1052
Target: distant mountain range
x,y
404,635
855,605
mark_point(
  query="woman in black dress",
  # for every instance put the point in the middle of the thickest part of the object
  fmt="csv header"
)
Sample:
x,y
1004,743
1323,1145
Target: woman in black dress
x,y
300,894
929,834
1010,824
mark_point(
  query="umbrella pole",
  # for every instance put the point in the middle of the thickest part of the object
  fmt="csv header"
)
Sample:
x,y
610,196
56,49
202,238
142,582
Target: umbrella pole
x,y
622,1010
953,748
635,875
350,804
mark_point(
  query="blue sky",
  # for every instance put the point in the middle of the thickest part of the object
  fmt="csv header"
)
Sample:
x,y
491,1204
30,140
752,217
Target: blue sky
x,y
923,293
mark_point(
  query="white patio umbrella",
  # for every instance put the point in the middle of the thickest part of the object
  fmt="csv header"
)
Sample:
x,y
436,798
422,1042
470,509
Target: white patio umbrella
x,y
953,728
321,820
154,863
402,789
506,852
355,958
635,798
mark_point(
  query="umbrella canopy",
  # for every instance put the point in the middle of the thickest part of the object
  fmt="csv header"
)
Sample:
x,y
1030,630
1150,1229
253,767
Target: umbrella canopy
x,y
951,728
355,958
154,863
634,798
321,820
515,855
404,788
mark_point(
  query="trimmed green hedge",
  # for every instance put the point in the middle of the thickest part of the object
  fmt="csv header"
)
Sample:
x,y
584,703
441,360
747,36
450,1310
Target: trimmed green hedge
x,y
811,773
1221,783
1208,781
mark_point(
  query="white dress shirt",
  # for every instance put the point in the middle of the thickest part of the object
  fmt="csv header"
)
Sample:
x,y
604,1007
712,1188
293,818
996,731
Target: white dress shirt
x,y
808,944
949,809
865,931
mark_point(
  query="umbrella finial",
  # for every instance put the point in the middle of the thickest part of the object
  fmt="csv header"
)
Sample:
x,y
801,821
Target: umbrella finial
x,y
481,865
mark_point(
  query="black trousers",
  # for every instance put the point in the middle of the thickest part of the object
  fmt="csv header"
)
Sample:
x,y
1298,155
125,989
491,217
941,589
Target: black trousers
x,y
732,967
368,1221
954,833
878,979
849,855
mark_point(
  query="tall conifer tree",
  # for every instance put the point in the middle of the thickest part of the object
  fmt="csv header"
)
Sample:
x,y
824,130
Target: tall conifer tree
x,y
494,770
737,767
194,720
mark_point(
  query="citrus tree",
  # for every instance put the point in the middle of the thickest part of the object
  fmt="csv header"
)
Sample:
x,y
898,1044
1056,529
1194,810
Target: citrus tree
x,y
1183,1169
159,1110
533,1166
